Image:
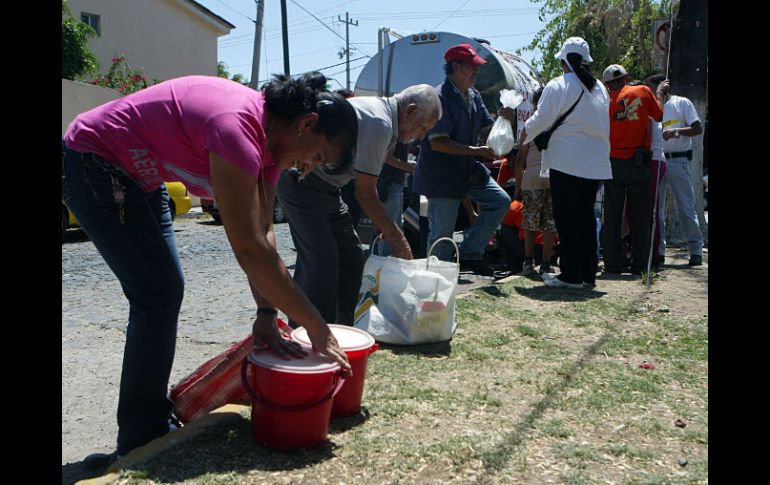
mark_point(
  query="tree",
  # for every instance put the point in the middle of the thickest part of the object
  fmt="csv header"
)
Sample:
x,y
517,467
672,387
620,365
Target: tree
x,y
618,32
77,60
223,72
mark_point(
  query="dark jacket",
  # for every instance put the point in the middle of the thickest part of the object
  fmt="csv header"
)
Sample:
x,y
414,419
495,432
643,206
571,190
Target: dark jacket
x,y
443,175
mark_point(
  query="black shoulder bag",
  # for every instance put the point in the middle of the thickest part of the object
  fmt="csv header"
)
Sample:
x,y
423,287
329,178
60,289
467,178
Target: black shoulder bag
x,y
541,140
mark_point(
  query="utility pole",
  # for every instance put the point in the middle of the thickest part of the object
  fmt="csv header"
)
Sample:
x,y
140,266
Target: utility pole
x,y
285,28
348,23
257,44
688,72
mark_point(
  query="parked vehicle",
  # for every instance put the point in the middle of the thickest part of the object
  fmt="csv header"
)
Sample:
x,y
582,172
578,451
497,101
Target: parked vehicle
x,y
178,200
209,206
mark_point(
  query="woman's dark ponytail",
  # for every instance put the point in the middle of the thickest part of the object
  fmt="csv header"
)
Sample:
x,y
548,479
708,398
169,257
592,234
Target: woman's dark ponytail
x,y
575,62
288,98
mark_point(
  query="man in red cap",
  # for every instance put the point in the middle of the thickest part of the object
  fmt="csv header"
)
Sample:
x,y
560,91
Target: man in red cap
x,y
448,169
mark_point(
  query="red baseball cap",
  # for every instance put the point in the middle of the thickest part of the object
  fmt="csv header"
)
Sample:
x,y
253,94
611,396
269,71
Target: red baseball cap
x,y
464,53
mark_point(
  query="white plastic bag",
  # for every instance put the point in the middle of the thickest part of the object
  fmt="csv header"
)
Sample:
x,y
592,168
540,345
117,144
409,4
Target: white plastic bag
x,y
408,302
500,139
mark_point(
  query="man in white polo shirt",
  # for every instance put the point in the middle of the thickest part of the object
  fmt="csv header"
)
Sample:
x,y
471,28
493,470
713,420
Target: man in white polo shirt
x,y
680,124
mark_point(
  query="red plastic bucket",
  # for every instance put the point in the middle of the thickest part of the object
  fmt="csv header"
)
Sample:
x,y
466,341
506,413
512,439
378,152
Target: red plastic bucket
x,y
358,345
291,399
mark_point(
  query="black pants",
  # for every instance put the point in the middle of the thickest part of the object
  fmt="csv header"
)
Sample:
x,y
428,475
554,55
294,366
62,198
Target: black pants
x,y
630,183
329,256
573,211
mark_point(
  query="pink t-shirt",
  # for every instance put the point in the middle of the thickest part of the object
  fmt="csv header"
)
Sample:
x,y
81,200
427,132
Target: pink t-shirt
x,y
165,132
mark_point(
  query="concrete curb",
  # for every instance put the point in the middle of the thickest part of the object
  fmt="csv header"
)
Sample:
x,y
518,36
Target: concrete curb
x,y
153,448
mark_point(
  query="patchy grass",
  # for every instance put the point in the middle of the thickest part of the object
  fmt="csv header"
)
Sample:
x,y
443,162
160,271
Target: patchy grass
x,y
538,385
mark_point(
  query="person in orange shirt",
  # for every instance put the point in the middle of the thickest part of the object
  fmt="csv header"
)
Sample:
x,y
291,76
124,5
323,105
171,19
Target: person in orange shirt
x,y
630,155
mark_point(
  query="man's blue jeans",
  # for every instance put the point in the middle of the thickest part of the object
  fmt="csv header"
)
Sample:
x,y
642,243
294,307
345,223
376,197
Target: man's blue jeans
x,y
136,240
394,207
678,177
442,214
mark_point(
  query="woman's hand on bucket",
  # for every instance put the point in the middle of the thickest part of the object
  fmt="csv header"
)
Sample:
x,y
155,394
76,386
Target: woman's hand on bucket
x,y
323,341
266,334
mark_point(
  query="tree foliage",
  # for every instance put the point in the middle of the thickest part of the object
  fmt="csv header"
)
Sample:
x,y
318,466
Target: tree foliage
x,y
122,77
223,72
77,60
617,31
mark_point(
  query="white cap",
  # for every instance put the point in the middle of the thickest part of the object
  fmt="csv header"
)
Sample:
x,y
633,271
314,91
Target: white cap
x,y
576,45
613,71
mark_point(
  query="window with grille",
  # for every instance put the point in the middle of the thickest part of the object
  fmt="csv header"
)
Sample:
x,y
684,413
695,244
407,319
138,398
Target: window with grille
x,y
92,20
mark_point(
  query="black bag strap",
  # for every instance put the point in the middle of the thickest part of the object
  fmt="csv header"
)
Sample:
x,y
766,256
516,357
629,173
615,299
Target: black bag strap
x,y
564,116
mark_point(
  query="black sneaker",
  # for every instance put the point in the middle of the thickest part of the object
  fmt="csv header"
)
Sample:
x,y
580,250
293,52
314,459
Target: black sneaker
x,y
616,269
97,461
477,266
695,260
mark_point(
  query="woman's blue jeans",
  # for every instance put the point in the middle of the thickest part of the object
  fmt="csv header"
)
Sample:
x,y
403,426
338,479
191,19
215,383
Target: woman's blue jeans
x,y
135,237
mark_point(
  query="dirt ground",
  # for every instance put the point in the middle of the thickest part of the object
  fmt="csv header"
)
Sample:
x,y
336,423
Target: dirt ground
x,y
217,311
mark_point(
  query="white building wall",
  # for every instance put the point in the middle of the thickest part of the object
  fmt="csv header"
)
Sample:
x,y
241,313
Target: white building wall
x,y
164,38
79,97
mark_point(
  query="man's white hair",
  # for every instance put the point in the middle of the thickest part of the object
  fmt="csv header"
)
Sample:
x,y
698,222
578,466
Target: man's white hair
x,y
424,96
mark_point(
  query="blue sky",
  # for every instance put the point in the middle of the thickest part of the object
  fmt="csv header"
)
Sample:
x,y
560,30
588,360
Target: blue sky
x,y
507,24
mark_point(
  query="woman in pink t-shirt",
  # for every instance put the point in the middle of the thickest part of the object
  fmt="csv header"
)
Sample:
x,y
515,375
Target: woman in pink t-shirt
x,y
221,139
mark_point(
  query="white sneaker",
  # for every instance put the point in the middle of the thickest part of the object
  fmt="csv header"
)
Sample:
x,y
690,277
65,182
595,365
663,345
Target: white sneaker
x,y
557,283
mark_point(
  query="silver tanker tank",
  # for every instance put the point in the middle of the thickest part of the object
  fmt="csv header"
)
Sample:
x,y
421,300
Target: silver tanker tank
x,y
419,58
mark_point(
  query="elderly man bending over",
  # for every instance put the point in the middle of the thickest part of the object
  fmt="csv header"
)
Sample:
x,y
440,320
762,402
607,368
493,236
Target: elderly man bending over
x,y
329,256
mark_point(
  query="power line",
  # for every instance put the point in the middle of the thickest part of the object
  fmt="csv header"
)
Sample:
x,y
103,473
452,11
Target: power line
x,y
340,72
299,23
267,37
322,68
239,13
322,23
458,8
433,14
293,56
334,65
319,20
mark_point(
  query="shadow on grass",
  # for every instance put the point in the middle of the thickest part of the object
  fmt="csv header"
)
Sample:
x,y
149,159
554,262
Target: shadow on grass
x,y
339,425
495,291
497,458
226,448
72,473
678,266
438,349
545,293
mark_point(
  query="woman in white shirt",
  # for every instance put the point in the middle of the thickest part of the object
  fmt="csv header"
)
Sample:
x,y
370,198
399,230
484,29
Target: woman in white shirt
x,y
577,158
